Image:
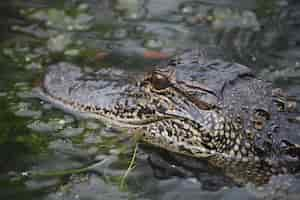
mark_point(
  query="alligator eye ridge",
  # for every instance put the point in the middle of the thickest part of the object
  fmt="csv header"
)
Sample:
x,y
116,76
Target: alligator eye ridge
x,y
261,113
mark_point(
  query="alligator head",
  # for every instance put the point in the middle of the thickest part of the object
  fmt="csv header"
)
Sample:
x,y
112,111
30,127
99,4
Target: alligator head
x,y
202,108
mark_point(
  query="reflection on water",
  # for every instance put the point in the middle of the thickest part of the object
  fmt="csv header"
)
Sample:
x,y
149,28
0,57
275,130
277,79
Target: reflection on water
x,y
130,34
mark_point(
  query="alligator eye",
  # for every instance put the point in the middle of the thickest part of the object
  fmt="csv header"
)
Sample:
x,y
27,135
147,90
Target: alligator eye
x,y
259,119
160,82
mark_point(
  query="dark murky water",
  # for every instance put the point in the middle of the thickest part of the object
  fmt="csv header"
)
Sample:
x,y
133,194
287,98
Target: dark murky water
x,y
132,34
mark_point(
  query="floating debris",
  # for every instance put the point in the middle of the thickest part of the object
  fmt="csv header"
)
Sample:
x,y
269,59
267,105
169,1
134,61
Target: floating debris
x,y
33,66
51,126
71,132
72,52
59,42
153,44
60,19
3,94
23,109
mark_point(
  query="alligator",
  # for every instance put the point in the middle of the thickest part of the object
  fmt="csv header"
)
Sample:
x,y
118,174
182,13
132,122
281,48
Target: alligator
x,y
193,105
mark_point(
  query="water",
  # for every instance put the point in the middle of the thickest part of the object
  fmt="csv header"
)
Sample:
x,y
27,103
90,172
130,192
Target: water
x,y
130,34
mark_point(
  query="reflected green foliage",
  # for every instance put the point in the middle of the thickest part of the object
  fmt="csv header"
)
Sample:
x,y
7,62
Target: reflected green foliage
x,y
17,143
266,8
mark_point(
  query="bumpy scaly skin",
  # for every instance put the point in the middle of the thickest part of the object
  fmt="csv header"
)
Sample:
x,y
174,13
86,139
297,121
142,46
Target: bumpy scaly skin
x,y
199,107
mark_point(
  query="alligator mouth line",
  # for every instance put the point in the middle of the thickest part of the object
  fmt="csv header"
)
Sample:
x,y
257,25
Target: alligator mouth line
x,y
76,109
